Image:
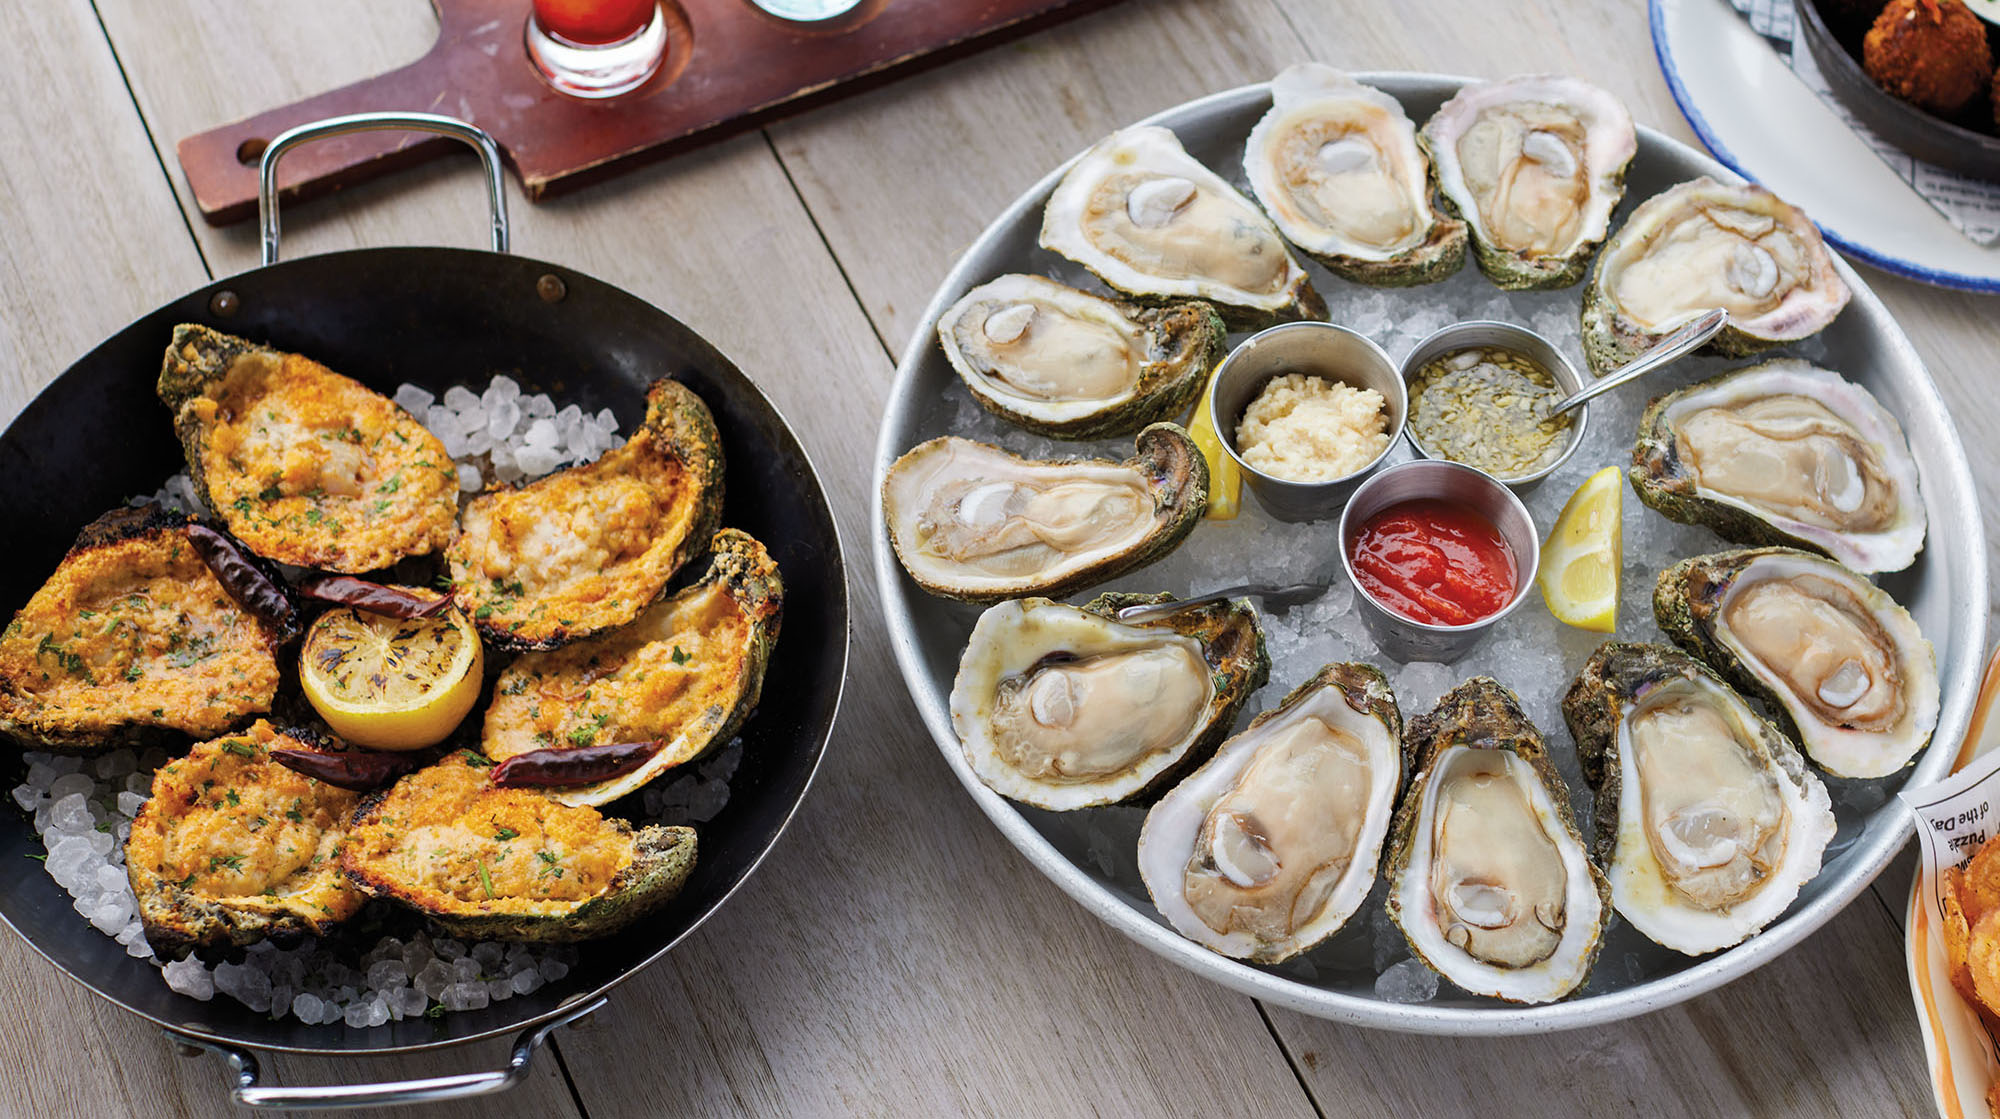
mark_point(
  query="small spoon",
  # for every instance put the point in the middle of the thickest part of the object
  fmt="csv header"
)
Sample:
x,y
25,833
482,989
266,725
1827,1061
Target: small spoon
x,y
1282,598
1669,349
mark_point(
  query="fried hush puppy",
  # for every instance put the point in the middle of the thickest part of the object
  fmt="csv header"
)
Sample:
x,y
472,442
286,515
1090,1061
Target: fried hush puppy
x,y
1931,53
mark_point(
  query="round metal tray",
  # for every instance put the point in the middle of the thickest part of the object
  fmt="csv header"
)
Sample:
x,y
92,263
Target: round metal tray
x,y
1945,591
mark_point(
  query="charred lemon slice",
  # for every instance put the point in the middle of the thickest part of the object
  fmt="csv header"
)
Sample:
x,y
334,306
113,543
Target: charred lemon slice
x,y
391,683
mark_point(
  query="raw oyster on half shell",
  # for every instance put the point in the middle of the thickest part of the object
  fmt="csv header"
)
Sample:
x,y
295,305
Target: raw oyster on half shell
x,y
1151,221
1064,708
1336,164
1271,845
972,522
1702,245
1534,165
1842,665
1072,365
1708,822
1489,879
1784,453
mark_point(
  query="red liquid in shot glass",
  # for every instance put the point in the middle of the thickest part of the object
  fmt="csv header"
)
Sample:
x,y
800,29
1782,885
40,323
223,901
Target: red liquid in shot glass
x,y
592,23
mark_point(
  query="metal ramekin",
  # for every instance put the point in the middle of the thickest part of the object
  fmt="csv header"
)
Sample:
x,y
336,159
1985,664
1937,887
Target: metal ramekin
x,y
1486,334
1322,350
1406,639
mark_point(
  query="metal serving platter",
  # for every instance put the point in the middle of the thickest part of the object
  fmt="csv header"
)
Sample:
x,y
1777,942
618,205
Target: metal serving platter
x,y
1946,592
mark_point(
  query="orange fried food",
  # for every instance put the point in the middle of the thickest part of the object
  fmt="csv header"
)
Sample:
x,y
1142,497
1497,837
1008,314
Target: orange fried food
x,y
1971,897
1931,53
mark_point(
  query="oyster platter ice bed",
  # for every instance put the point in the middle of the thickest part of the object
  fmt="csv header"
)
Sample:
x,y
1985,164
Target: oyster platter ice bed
x,y
1088,839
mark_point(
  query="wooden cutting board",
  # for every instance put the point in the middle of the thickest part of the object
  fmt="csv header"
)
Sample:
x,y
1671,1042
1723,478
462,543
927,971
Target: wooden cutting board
x,y
729,68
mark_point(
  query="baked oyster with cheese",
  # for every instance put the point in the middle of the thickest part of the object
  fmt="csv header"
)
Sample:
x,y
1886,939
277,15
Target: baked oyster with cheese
x,y
1708,822
1784,453
1702,245
972,522
1072,365
586,549
686,673
492,863
1336,165
1066,708
135,638
1272,844
1151,221
1489,878
1843,667
303,465
233,847
1534,165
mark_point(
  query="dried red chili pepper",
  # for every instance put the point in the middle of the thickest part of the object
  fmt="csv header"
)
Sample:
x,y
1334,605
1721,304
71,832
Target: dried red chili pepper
x,y
375,598
359,770
582,765
246,582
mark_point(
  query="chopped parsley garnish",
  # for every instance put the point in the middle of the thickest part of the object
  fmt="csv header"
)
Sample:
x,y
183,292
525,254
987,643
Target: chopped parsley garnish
x,y
680,655
505,833
239,747
516,686
551,866
295,814
587,733
233,862
232,798
485,880
392,485
475,758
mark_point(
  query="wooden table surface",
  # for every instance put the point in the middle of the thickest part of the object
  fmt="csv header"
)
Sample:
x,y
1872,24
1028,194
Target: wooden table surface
x,y
894,955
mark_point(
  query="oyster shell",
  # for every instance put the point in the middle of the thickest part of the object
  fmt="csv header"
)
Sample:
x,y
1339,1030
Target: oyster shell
x,y
1843,666
1336,165
972,522
1708,822
1151,221
1784,453
1490,881
1064,708
1072,365
1272,844
1534,165
1702,245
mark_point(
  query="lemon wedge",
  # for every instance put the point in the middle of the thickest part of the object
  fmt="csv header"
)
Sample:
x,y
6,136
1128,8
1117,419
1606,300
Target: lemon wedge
x,y
1225,481
391,683
1580,561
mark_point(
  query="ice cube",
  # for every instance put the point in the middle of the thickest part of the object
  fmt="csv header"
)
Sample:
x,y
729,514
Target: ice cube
x,y
502,418
191,978
541,433
458,398
414,400
469,480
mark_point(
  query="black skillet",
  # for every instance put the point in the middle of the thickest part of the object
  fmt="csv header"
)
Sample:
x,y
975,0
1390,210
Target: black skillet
x,y
97,435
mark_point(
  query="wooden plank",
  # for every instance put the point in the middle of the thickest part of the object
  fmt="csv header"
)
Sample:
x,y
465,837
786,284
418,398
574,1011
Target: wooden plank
x,y
88,230
1826,1029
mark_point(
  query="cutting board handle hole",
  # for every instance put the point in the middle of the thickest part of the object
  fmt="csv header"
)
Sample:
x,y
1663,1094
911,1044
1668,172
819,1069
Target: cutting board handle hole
x,y
250,152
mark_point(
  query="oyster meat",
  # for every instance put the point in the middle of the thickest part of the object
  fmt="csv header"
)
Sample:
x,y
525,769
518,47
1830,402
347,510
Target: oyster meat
x,y
1064,708
1534,165
1336,164
1072,365
1702,245
1708,821
1490,881
1784,453
1271,845
1844,667
1151,221
972,522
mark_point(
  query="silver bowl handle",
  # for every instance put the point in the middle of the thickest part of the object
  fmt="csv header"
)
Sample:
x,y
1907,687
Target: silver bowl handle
x,y
391,1093
267,167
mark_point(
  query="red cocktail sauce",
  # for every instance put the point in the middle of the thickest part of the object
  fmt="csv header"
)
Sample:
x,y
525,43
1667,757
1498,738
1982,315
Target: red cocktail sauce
x,y
1434,562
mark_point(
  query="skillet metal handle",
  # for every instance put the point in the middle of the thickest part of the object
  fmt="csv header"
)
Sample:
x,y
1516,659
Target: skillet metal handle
x,y
267,168
391,1093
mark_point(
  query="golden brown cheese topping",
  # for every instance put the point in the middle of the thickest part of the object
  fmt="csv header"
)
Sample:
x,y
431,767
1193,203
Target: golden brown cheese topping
x,y
588,548
655,679
134,632
311,468
446,840
227,822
